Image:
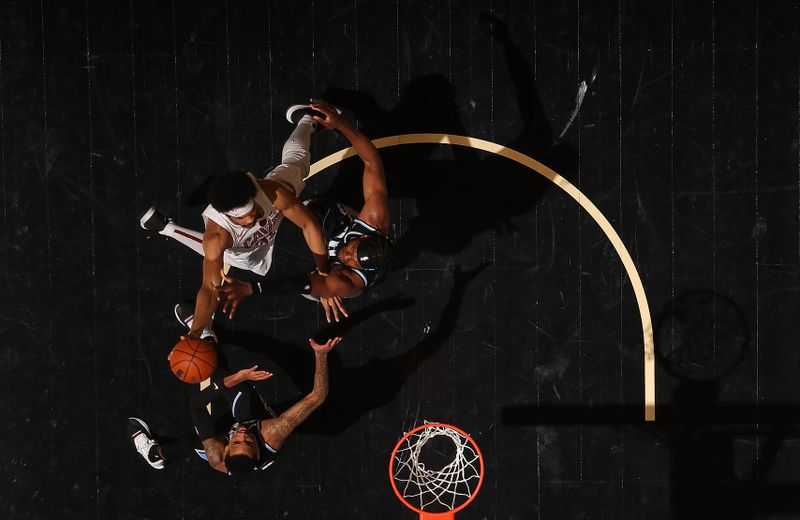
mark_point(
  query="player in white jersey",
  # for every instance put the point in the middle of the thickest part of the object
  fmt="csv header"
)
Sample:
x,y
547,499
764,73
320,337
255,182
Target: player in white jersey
x,y
360,251
243,218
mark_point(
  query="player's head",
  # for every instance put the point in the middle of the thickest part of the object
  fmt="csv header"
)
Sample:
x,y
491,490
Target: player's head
x,y
241,454
370,253
233,193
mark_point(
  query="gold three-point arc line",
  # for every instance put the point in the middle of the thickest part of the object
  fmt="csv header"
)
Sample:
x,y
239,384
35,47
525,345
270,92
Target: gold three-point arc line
x,y
572,191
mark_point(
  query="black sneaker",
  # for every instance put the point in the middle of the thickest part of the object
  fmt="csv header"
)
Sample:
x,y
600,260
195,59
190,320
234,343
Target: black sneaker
x,y
184,312
143,442
153,220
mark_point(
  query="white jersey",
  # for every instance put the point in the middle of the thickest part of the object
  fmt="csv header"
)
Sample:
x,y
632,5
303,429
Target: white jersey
x,y
252,247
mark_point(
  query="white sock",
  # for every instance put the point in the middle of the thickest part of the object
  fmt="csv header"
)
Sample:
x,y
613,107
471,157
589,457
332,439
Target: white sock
x,y
188,237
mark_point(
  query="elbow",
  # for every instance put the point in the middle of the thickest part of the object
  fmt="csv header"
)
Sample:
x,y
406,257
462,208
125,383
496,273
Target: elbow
x,y
317,397
353,290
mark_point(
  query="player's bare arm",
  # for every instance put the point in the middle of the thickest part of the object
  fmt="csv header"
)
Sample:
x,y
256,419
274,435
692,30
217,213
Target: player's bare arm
x,y
246,374
287,202
215,242
340,282
376,208
215,453
275,431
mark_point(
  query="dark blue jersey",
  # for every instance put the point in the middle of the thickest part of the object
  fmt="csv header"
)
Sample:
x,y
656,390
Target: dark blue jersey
x,y
240,413
340,224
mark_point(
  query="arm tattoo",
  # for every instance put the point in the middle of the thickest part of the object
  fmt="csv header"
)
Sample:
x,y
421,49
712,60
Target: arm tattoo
x,y
312,401
214,449
291,418
321,377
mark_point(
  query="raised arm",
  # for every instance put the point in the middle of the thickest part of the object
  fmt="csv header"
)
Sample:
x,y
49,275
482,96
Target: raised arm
x,y
215,241
376,206
275,431
212,445
301,216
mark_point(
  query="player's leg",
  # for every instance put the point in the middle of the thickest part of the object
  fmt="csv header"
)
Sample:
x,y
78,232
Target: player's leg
x,y
179,448
295,157
184,313
144,443
159,451
154,220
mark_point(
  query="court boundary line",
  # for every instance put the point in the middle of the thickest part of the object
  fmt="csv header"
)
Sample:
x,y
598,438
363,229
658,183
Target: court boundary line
x,y
572,191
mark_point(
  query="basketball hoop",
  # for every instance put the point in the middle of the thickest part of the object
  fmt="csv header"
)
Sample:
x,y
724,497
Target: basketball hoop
x,y
436,470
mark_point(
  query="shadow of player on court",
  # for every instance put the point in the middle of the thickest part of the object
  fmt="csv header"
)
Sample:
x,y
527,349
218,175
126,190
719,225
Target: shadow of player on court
x,y
725,459
356,390
458,192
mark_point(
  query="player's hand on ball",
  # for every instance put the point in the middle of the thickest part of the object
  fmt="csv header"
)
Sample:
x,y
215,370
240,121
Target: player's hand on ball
x,y
188,335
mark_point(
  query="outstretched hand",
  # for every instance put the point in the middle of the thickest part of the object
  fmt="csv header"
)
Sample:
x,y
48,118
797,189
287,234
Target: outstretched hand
x,y
332,119
251,374
325,347
333,306
232,291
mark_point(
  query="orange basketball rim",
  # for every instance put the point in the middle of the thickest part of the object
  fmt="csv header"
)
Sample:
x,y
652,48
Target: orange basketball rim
x,y
438,492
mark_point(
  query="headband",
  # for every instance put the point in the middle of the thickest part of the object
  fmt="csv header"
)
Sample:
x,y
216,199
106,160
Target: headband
x,y
241,210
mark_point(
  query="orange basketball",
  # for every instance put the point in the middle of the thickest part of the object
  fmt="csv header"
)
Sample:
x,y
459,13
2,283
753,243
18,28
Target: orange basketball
x,y
193,360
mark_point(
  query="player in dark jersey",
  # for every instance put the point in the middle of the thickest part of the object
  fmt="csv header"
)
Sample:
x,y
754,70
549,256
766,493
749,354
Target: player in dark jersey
x,y
354,245
250,443
360,251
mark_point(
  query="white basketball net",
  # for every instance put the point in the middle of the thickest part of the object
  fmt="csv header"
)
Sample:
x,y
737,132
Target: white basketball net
x,y
445,488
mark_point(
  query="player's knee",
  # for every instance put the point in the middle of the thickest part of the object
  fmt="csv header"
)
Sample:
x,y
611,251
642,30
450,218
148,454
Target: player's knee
x,y
295,156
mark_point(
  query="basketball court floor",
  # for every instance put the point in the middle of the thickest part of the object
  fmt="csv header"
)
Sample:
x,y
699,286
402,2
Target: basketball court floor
x,y
596,206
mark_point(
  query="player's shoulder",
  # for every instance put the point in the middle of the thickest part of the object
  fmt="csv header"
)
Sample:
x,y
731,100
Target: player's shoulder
x,y
270,187
213,229
376,218
281,197
216,237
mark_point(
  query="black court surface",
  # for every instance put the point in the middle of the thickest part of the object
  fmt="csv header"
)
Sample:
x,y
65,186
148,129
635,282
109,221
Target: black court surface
x,y
515,314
